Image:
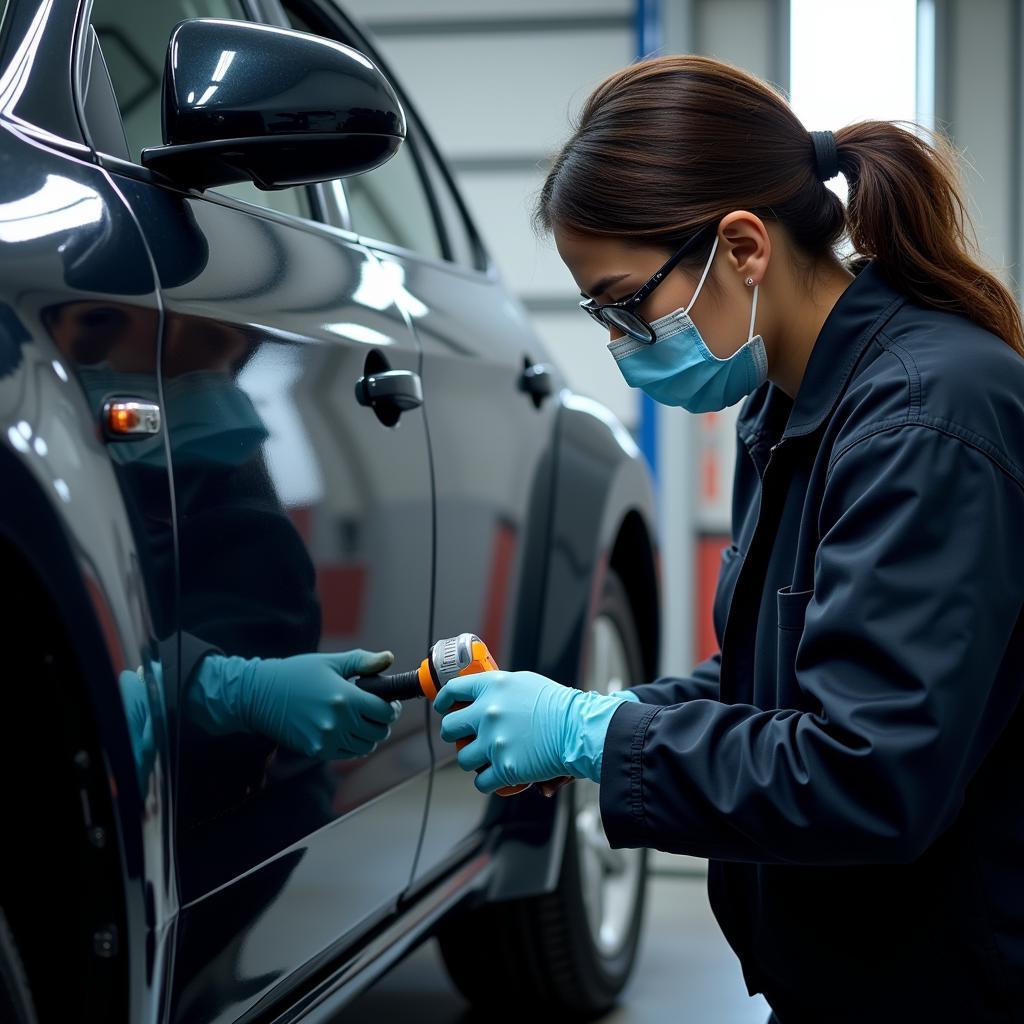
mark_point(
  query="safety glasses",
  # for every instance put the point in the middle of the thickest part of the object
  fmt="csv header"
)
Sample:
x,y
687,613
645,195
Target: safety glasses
x,y
622,316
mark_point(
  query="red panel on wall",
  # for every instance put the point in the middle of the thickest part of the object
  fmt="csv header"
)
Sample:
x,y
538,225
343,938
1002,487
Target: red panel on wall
x,y
709,561
341,589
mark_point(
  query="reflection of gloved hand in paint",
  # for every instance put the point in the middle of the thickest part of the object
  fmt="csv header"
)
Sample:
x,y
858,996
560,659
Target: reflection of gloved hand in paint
x,y
140,724
305,702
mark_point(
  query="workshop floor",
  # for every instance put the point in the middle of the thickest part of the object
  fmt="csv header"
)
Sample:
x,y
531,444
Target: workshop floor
x,y
685,973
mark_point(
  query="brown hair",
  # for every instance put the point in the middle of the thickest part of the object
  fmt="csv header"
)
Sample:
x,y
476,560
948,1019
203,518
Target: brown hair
x,y
670,145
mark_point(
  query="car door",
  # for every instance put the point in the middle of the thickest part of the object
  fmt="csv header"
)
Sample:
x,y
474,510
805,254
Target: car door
x,y
304,523
491,404
490,398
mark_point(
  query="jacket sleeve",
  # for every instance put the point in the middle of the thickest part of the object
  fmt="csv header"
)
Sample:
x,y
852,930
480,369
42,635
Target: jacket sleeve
x,y
700,684
917,590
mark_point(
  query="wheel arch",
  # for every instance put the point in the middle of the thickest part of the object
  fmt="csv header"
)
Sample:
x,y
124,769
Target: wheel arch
x,y
634,560
63,889
67,754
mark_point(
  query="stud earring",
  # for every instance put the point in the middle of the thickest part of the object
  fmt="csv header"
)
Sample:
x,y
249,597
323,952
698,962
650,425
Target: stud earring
x,y
749,282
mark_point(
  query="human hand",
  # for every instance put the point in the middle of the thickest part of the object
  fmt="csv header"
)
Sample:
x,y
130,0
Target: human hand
x,y
524,727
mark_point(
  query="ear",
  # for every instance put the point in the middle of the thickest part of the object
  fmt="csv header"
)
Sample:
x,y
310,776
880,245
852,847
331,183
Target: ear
x,y
747,244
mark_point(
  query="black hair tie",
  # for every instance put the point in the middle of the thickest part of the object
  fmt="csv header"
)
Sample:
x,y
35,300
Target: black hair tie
x,y
826,155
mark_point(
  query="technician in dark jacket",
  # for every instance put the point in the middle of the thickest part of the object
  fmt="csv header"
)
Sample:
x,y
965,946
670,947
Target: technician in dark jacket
x,y
853,760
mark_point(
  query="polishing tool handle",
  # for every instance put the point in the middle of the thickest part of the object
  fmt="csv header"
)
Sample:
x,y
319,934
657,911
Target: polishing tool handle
x,y
400,686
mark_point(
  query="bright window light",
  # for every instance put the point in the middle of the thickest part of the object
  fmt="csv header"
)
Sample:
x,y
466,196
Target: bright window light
x,y
876,80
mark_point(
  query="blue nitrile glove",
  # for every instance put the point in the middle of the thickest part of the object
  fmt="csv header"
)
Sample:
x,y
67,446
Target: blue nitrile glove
x,y
305,702
527,727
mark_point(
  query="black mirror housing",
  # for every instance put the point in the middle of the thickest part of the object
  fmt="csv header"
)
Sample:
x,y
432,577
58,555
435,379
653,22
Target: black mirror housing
x,y
248,102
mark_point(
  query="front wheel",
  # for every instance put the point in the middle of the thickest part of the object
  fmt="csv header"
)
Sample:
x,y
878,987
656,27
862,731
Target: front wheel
x,y
571,950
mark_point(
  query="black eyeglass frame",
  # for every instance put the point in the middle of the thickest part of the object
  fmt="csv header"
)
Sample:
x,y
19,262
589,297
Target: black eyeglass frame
x,y
628,306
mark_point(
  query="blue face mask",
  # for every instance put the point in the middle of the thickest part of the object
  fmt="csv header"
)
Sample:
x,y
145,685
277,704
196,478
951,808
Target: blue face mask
x,y
679,369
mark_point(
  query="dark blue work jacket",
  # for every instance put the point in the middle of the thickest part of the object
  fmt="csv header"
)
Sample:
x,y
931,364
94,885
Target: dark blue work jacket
x,y
853,760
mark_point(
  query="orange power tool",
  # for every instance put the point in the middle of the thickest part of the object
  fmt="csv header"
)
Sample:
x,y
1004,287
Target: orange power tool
x,y
461,655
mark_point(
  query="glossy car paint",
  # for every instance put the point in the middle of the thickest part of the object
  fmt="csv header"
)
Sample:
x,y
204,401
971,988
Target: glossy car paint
x,y
572,482
72,262
318,537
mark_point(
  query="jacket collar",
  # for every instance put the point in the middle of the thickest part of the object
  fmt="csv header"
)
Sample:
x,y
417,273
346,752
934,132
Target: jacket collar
x,y
861,312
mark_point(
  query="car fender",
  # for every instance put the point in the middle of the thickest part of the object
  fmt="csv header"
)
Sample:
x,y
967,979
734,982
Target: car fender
x,y
64,516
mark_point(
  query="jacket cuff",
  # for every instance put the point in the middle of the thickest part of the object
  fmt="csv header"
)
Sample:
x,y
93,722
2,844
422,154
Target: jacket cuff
x,y
622,800
193,651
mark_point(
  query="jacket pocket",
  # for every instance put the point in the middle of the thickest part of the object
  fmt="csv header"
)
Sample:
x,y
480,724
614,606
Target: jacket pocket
x,y
792,607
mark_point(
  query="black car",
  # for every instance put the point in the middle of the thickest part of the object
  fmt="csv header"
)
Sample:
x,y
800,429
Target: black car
x,y
300,417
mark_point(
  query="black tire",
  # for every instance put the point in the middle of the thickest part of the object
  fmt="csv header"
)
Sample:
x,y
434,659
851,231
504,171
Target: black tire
x,y
539,952
15,997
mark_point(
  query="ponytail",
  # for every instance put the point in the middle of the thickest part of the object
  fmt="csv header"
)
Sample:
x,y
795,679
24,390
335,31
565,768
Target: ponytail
x,y
669,145
906,211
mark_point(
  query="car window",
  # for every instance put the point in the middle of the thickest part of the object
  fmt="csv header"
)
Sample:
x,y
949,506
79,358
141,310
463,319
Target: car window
x,y
133,35
463,247
390,203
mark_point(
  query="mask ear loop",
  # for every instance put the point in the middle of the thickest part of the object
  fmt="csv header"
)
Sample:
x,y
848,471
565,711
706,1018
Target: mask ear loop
x,y
753,314
703,277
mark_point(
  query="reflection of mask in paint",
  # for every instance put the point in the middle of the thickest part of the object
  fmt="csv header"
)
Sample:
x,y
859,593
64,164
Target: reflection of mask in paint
x,y
210,419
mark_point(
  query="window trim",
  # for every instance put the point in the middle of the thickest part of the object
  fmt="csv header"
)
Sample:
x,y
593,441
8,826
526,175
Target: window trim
x,y
140,173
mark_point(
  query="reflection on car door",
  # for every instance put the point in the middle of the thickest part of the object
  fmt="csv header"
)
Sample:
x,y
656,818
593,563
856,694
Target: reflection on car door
x,y
304,524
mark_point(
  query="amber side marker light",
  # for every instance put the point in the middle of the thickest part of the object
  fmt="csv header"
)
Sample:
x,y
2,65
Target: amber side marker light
x,y
123,419
129,417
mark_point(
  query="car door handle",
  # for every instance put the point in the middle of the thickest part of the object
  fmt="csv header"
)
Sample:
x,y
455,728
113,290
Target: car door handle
x,y
399,390
536,381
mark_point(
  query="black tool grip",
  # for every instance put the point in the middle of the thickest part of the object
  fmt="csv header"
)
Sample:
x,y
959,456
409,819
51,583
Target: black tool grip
x,y
400,686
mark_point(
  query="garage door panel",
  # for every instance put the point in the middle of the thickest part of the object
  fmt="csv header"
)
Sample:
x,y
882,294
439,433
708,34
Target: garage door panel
x,y
382,12
472,110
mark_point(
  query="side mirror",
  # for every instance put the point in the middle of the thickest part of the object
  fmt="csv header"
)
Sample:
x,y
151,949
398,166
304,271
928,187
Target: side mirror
x,y
247,102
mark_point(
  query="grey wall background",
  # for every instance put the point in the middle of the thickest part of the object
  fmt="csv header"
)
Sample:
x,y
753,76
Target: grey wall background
x,y
978,87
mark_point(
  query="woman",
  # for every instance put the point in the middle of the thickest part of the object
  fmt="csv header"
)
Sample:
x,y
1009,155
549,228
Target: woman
x,y
851,759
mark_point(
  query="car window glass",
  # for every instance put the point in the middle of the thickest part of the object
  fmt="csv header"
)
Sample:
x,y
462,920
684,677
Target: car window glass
x,y
463,249
134,35
390,203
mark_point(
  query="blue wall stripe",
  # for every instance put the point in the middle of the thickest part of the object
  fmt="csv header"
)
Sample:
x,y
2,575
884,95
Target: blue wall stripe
x,y
647,28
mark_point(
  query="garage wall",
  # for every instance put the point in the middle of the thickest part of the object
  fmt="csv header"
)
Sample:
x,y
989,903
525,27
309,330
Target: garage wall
x,y
513,75
978,84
